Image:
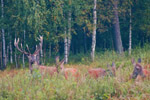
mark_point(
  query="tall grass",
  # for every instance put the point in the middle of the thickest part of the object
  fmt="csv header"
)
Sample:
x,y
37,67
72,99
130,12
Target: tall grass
x,y
21,85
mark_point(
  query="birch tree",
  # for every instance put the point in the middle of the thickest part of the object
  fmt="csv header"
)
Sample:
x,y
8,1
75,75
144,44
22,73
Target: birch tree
x,y
0,52
66,47
130,33
3,36
94,31
16,55
69,31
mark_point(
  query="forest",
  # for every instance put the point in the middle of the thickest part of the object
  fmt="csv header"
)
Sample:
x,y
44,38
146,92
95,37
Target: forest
x,y
74,50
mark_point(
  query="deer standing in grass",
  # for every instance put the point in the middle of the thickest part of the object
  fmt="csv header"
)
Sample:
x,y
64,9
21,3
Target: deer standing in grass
x,y
99,72
33,58
69,72
44,69
139,73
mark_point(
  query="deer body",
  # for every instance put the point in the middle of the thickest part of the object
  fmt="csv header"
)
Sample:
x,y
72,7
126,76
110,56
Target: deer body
x,y
73,72
147,66
70,72
99,72
47,70
96,72
146,72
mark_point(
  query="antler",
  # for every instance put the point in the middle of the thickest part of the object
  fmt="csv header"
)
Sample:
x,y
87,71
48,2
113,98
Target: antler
x,y
28,48
21,50
40,45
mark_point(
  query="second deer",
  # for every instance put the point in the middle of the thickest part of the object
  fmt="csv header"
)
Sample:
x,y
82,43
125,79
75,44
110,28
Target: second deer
x,y
139,73
99,72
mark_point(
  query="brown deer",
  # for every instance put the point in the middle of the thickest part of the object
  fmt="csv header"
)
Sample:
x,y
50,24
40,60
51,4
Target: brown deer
x,y
139,73
53,69
99,72
69,71
33,58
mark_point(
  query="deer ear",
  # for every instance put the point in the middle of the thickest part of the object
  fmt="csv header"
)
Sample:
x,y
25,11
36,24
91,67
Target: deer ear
x,y
139,60
133,61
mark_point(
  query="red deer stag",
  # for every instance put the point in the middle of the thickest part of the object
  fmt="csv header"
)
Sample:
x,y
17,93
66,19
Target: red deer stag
x,y
99,72
139,72
33,58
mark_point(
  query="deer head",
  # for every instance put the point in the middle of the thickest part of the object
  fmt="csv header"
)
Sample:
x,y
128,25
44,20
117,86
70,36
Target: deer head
x,y
138,69
31,57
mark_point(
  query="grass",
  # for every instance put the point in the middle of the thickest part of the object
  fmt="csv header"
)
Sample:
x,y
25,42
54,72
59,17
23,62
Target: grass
x,y
19,84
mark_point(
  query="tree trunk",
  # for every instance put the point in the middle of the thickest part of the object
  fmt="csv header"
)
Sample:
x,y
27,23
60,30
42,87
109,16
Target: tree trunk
x,y
44,55
41,52
117,35
94,31
85,45
3,36
50,50
69,31
16,59
23,62
38,57
7,52
130,33
7,57
66,47
16,55
11,58
4,53
1,53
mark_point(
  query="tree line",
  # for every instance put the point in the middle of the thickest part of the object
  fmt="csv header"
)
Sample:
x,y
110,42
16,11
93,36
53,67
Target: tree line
x,y
70,27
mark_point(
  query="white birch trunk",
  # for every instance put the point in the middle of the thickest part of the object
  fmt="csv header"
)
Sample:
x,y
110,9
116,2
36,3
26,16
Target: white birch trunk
x,y
94,31
3,37
24,48
16,56
130,33
66,47
69,31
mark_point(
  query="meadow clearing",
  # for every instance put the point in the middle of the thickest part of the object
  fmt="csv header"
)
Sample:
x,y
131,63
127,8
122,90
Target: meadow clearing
x,y
20,84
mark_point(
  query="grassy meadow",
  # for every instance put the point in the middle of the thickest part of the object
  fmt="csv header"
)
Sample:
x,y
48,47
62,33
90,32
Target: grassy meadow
x,y
19,84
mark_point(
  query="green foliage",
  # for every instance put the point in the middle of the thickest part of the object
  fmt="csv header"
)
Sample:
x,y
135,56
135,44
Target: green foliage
x,y
50,17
